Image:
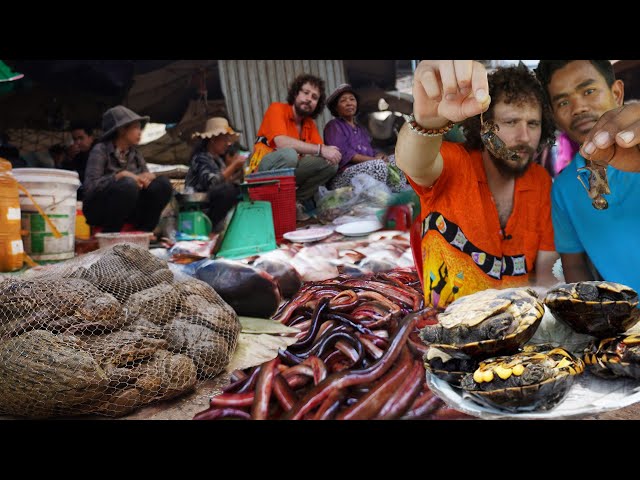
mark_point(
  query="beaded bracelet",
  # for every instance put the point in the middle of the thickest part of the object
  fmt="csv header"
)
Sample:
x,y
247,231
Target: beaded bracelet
x,y
428,132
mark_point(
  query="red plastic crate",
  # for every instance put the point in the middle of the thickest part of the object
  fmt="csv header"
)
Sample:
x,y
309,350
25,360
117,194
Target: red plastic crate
x,y
283,201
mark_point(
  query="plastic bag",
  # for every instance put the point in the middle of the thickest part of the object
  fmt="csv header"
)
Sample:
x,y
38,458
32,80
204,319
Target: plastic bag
x,y
189,251
334,203
186,268
370,191
363,199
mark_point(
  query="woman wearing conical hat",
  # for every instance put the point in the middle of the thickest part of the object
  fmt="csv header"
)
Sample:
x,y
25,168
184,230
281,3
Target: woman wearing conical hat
x,y
215,170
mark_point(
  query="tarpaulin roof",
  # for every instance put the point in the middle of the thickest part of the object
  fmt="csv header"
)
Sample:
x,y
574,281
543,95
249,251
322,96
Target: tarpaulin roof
x,y
57,93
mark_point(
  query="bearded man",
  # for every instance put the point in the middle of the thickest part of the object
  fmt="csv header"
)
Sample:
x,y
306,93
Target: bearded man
x,y
485,215
288,138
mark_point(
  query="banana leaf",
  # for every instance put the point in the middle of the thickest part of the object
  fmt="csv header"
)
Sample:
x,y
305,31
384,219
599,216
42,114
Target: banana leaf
x,y
259,342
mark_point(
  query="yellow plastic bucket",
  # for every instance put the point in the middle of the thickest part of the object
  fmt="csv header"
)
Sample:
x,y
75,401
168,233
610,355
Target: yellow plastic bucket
x,y
11,249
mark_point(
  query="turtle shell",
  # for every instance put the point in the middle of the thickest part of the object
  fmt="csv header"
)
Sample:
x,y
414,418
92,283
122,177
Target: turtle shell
x,y
525,381
490,322
446,367
614,357
601,309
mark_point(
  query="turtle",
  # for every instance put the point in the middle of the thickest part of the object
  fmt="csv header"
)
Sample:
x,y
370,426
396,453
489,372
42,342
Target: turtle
x,y
598,308
614,357
527,381
446,367
486,323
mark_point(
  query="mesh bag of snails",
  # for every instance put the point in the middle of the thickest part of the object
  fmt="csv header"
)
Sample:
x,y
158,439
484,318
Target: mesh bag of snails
x,y
106,333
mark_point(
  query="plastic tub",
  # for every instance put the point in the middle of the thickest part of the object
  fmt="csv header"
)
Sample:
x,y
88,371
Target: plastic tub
x,y
55,191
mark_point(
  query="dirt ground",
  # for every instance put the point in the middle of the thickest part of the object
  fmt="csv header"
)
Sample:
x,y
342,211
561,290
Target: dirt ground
x,y
184,408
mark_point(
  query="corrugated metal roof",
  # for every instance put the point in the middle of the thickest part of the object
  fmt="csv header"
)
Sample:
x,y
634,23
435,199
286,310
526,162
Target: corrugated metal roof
x,y
250,86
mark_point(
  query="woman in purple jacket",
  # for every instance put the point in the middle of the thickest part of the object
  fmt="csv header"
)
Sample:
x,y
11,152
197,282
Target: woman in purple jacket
x,y
354,142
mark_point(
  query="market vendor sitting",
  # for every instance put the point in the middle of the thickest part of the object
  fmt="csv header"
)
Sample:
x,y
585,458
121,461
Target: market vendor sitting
x,y
215,170
118,186
354,143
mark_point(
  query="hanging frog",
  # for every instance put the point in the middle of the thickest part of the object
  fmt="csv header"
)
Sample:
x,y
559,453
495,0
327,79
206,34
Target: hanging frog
x,y
598,184
595,173
489,136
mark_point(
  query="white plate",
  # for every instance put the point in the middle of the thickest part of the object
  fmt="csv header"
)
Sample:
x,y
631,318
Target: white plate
x,y
357,229
308,235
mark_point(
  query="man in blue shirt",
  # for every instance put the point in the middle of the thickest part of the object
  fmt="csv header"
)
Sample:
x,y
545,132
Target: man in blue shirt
x,y
587,104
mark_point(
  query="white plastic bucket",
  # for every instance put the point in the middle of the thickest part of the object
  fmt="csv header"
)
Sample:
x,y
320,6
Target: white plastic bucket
x,y
55,191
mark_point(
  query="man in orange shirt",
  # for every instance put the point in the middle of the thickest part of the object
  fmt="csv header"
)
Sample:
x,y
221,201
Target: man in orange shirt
x,y
288,138
486,220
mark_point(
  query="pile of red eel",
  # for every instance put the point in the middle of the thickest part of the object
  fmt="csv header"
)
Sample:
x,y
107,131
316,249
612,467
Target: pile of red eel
x,y
358,357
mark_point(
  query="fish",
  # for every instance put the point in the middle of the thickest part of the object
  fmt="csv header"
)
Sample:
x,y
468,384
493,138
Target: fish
x,y
250,291
287,277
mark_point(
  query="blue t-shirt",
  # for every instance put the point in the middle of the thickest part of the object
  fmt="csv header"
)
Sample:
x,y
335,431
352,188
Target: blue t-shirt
x,y
611,237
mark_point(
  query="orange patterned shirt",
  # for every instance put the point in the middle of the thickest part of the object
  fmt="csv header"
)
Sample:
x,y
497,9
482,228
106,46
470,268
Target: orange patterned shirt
x,y
463,248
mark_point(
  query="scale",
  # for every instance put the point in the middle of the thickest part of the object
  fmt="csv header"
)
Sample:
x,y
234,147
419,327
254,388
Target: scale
x,y
193,223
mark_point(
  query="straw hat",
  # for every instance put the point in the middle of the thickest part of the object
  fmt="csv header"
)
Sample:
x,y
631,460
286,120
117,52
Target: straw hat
x,y
216,126
332,100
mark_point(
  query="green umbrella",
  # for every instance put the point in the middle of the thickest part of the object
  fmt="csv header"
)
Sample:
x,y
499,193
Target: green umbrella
x,y
7,76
